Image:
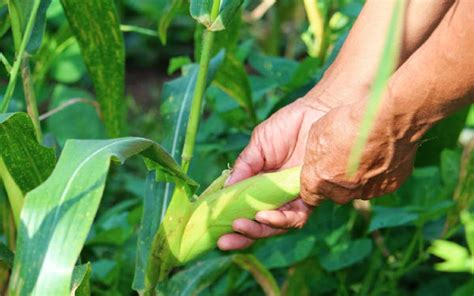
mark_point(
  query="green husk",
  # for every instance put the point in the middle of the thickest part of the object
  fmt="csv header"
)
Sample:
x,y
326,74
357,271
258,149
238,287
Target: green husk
x,y
189,229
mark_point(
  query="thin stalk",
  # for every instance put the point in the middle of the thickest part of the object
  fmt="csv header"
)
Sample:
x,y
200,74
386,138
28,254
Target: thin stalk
x,y
195,114
19,58
139,30
30,98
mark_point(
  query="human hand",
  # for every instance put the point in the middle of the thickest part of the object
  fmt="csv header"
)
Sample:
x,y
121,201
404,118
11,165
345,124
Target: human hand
x,y
277,143
386,163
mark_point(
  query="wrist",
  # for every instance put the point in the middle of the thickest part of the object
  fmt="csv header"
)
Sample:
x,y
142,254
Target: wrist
x,y
337,89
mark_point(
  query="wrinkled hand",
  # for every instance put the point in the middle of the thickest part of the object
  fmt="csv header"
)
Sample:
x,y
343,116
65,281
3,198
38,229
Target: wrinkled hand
x,y
386,163
277,143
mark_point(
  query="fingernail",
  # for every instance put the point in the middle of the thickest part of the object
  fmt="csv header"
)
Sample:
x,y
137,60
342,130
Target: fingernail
x,y
262,217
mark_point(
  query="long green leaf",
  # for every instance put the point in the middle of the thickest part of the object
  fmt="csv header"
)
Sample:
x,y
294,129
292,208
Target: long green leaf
x,y
97,29
177,96
24,163
20,12
201,11
57,215
387,65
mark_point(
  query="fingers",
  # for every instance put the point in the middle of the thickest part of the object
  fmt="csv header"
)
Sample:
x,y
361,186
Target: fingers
x,y
255,230
292,215
249,163
233,241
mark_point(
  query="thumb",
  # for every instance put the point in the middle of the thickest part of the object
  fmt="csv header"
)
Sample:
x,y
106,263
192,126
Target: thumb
x,y
249,163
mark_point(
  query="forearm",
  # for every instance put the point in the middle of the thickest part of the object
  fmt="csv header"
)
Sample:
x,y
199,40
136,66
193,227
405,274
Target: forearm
x,y
437,79
352,73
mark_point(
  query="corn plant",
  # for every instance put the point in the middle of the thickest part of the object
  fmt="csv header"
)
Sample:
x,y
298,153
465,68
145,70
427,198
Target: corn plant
x,y
59,210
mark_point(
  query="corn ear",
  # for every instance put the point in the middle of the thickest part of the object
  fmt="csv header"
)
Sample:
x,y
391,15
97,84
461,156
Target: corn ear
x,y
191,228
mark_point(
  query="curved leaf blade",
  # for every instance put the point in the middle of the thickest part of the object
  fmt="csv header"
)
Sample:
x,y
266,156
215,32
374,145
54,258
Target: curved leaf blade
x,y
103,50
57,215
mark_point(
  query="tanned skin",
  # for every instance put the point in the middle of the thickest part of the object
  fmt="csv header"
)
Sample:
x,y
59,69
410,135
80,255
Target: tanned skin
x,y
434,78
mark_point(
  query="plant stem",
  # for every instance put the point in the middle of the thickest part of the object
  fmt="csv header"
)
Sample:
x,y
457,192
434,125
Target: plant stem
x,y
19,58
195,114
30,98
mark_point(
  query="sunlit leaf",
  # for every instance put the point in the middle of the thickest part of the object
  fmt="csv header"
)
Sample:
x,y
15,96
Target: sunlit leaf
x,y
456,257
43,265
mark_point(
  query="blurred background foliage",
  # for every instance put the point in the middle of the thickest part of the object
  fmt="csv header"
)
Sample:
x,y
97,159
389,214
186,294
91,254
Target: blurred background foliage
x,y
390,246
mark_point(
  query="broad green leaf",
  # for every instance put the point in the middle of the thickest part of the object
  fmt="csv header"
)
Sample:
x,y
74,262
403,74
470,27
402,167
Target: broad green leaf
x,y
281,70
177,98
233,80
286,250
20,13
383,217
195,278
346,254
456,257
24,163
201,10
80,285
6,256
387,64
168,10
43,265
103,50
262,275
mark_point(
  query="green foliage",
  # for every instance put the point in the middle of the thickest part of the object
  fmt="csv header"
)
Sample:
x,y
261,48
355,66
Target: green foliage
x,y
258,65
202,11
20,13
72,193
158,195
103,52
24,164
